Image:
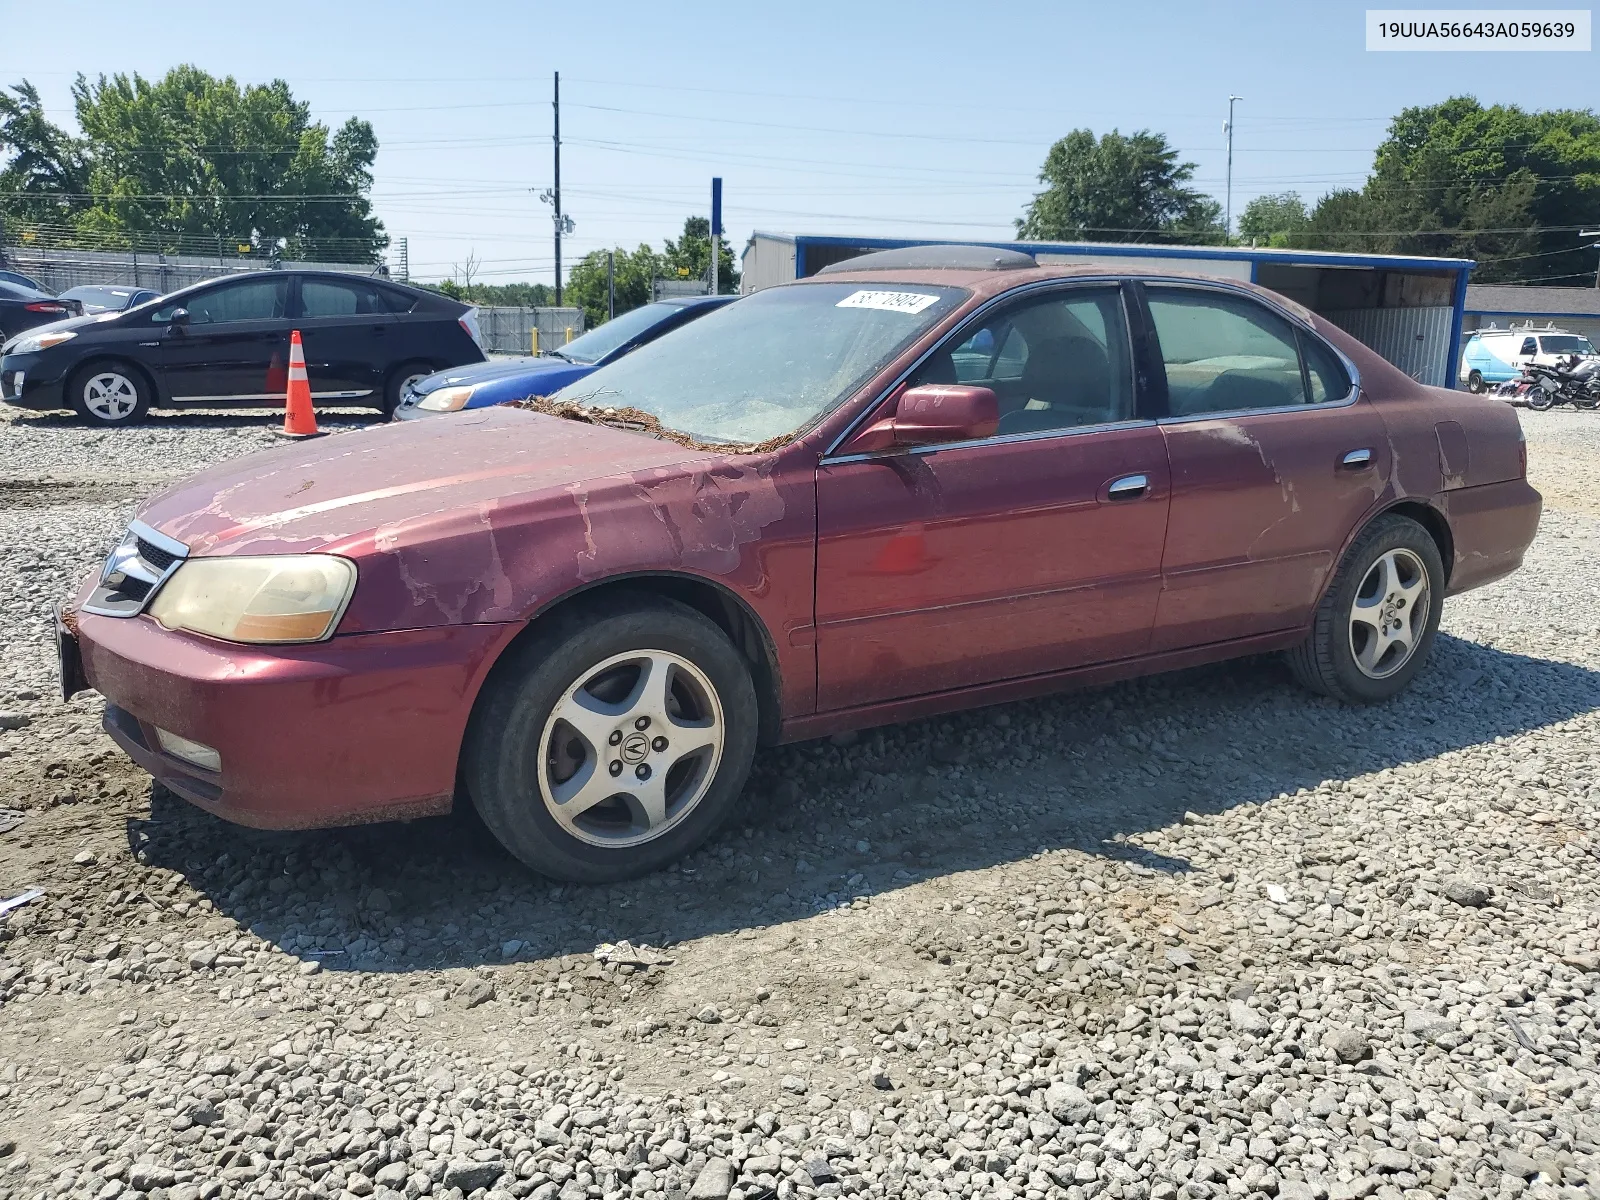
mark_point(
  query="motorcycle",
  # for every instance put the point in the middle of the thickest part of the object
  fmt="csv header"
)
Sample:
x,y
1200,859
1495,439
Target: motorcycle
x,y
1576,382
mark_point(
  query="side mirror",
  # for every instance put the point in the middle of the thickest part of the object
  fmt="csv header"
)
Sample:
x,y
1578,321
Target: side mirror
x,y
179,319
931,414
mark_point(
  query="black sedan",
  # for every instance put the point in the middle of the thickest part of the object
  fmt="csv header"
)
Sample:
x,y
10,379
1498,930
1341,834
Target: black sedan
x,y
226,342
103,297
24,307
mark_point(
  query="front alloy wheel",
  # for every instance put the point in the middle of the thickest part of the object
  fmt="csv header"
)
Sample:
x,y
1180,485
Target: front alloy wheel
x,y
631,748
108,394
613,739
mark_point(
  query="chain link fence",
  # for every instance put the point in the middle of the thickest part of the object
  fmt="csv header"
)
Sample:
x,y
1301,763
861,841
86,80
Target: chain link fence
x,y
58,270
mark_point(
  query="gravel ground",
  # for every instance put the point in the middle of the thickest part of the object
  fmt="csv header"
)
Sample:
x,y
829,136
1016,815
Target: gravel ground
x,y
1195,936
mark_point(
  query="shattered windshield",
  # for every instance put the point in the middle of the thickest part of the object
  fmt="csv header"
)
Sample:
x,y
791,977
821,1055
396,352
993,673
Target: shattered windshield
x,y
770,364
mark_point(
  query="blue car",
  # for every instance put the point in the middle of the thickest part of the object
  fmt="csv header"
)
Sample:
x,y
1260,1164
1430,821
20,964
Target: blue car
x,y
499,380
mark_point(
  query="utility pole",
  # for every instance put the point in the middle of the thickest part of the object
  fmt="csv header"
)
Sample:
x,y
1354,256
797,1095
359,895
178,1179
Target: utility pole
x,y
716,230
557,201
1227,220
611,284
1594,233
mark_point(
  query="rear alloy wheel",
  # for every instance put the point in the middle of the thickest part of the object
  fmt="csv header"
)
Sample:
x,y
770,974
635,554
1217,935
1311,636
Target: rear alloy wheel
x,y
1475,382
109,394
607,747
1374,628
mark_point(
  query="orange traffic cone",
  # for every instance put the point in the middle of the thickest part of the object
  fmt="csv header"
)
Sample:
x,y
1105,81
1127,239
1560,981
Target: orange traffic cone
x,y
299,421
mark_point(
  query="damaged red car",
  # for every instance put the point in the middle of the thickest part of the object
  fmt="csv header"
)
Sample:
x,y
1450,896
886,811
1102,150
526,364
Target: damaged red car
x,y
920,481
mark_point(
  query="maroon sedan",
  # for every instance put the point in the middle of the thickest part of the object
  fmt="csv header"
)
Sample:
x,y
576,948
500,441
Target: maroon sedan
x,y
921,481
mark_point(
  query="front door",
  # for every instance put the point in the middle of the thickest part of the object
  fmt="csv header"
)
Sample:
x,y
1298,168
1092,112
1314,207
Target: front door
x,y
345,329
1274,457
1032,551
234,347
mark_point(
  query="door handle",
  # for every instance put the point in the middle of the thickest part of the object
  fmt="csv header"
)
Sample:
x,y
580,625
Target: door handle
x,y
1356,460
1129,487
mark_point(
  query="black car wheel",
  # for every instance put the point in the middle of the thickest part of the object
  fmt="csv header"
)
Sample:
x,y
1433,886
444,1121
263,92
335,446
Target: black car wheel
x,y
614,741
1475,382
399,379
1374,628
109,393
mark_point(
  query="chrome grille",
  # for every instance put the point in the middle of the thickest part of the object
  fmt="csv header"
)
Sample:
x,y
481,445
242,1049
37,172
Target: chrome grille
x,y
154,555
138,565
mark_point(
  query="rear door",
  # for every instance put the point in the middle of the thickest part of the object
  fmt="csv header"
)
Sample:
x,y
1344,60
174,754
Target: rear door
x,y
345,328
234,347
1275,457
1032,551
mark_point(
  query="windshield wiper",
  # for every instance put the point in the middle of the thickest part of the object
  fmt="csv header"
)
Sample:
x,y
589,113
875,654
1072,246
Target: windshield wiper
x,y
561,354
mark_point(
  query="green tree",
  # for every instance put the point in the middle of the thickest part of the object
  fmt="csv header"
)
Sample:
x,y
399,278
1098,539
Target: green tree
x,y
1270,220
690,257
1118,189
46,173
1507,187
190,159
586,285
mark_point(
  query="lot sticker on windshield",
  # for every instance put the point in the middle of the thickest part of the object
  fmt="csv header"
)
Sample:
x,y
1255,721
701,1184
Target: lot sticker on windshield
x,y
900,302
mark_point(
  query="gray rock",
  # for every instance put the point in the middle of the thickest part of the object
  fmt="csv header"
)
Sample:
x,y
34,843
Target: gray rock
x,y
469,1176
1348,1046
1069,1104
714,1182
1513,1162
144,1177
1246,1019
1465,891
479,991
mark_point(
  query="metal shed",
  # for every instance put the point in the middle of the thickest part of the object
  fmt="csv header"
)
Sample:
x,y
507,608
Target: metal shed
x,y
1504,305
1408,309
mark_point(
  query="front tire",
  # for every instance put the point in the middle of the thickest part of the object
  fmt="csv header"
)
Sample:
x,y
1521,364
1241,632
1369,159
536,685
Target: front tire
x,y
1376,623
394,387
609,744
109,393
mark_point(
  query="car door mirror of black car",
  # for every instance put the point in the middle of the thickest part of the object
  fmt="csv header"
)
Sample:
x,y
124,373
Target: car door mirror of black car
x,y
179,320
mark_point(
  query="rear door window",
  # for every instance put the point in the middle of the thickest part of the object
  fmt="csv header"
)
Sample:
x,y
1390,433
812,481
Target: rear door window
x,y
1231,353
339,298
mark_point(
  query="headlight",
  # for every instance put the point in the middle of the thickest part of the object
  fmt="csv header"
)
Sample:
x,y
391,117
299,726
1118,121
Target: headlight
x,y
447,399
287,598
34,342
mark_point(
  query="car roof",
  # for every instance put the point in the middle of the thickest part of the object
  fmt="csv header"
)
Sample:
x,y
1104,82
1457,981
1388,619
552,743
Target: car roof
x,y
984,283
696,301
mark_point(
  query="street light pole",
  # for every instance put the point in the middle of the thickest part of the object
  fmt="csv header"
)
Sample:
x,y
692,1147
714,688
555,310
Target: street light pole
x,y
1227,220
1594,233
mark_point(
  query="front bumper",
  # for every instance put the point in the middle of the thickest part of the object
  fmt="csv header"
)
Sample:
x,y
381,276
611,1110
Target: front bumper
x,y
361,728
41,382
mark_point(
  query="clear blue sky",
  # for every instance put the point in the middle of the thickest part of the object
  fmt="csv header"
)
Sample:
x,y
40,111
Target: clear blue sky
x,y
872,117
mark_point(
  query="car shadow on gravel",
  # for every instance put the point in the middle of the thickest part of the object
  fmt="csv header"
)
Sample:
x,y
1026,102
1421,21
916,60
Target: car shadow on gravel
x,y
828,823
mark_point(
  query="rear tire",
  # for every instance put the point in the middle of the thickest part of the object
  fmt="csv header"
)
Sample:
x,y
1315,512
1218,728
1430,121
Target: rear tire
x,y
1475,383
394,387
1377,621
613,741
109,393
1540,400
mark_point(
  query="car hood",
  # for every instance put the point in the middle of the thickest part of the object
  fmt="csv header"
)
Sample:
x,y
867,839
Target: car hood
x,y
398,483
486,372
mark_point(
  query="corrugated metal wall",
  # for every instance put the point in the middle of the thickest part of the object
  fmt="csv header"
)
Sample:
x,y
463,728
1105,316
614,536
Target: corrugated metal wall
x,y
1417,340
768,261
1226,267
